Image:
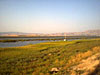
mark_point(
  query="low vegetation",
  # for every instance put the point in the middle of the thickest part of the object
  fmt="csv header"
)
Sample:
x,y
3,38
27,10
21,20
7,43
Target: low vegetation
x,y
16,40
42,38
40,59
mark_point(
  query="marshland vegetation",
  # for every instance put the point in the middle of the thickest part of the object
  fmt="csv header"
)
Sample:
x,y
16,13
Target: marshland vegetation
x,y
39,59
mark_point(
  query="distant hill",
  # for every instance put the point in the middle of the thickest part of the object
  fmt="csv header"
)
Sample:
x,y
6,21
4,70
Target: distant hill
x,y
93,32
17,34
85,33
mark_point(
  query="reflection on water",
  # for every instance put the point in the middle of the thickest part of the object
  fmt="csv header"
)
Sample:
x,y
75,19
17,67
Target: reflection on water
x,y
20,43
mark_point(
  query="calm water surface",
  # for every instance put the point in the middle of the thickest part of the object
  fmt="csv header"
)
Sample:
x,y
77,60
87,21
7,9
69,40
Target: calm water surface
x,y
20,43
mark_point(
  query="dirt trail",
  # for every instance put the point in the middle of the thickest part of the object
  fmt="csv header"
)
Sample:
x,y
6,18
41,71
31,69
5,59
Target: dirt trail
x,y
87,66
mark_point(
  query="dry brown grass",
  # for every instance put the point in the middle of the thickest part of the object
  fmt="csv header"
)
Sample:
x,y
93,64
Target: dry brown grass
x,y
87,62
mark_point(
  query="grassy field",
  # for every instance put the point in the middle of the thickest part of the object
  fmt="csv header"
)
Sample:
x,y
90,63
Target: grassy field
x,y
39,59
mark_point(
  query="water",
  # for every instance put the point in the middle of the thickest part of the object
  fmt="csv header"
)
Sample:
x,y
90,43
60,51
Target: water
x,y
20,43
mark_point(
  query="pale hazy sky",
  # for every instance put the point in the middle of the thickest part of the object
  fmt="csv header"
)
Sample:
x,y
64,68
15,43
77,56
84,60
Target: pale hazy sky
x,y
48,16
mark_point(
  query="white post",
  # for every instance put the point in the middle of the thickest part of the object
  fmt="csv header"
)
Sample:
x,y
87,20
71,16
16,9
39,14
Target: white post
x,y
65,37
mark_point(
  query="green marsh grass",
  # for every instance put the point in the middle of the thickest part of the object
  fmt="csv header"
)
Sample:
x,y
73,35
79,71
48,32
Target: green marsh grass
x,y
38,59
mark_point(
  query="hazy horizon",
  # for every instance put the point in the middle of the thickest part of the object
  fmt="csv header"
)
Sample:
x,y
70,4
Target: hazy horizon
x,y
47,32
49,16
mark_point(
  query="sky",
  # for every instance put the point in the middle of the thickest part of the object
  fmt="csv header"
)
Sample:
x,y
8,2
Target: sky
x,y
49,16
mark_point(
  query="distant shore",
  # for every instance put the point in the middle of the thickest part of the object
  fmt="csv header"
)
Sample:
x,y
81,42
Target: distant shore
x,y
12,40
43,38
